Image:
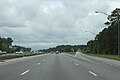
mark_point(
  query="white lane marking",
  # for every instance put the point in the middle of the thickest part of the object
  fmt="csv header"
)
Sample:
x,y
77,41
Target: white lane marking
x,y
24,72
70,60
76,64
93,73
38,63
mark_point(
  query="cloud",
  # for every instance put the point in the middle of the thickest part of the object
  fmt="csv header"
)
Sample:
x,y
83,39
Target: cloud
x,y
47,23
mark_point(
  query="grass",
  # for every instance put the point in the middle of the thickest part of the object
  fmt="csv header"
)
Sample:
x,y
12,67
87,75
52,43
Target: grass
x,y
114,57
70,52
4,57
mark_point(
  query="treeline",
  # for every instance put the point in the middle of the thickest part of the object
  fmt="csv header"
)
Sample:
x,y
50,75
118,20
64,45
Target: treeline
x,y
6,45
65,48
106,42
17,48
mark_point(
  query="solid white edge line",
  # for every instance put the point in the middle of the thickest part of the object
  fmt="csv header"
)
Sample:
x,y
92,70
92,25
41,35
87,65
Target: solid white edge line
x,y
93,73
24,72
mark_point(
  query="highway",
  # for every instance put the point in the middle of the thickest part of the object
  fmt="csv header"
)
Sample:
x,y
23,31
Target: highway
x,y
59,67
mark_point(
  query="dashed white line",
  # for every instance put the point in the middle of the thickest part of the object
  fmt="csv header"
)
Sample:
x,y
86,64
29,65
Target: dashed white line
x,y
24,72
38,63
76,64
93,73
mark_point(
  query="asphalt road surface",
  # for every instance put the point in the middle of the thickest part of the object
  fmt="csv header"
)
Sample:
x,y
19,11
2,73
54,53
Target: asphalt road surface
x,y
58,67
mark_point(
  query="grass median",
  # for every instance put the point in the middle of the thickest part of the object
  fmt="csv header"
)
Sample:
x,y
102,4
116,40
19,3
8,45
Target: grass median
x,y
70,53
114,57
11,56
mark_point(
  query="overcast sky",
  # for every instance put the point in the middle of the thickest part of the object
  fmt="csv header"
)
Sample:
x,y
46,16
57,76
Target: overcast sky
x,y
46,23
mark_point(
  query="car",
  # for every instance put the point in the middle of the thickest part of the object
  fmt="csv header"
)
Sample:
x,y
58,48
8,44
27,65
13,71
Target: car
x,y
19,52
2,52
57,52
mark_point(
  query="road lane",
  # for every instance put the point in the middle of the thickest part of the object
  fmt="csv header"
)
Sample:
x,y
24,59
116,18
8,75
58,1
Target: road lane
x,y
59,67
93,73
12,70
106,71
24,72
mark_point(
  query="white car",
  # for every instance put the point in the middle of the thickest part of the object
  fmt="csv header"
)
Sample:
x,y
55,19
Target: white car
x,y
20,52
2,52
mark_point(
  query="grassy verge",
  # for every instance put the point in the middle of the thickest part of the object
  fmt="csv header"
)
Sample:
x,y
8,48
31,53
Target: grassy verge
x,y
8,56
114,57
70,53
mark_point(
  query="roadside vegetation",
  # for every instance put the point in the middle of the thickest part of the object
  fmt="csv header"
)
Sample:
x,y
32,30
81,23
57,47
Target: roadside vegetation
x,y
6,45
9,51
106,42
11,56
114,57
70,52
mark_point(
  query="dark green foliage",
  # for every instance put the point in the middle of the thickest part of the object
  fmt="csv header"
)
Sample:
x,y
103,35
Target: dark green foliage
x,y
6,45
21,48
106,42
66,48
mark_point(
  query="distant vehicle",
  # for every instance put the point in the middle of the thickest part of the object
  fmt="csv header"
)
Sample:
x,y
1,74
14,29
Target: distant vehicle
x,y
19,52
57,52
39,52
52,52
2,52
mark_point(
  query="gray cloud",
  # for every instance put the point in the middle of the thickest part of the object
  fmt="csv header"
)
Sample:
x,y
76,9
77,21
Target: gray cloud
x,y
46,23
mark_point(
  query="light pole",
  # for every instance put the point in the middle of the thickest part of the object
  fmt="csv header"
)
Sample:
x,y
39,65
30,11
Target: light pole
x,y
96,39
118,28
91,32
10,47
72,49
101,12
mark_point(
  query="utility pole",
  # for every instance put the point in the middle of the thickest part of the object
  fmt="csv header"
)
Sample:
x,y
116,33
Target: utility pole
x,y
96,41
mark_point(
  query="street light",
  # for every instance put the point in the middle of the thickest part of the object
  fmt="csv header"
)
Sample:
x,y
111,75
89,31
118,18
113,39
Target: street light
x,y
95,39
10,47
101,12
118,28
91,32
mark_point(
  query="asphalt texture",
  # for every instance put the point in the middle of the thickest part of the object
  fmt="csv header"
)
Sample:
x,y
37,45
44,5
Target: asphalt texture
x,y
59,67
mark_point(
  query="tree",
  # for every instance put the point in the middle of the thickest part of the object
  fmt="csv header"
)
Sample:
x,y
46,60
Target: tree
x,y
106,42
0,43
